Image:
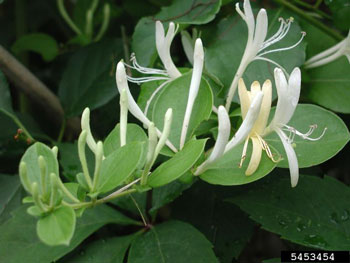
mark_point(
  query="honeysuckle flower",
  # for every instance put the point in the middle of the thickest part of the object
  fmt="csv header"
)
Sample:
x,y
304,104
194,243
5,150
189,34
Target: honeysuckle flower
x,y
331,54
257,131
198,58
256,43
288,97
163,43
222,145
134,109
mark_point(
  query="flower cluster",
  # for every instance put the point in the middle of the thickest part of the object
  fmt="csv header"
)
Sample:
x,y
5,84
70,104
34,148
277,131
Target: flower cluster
x,y
255,104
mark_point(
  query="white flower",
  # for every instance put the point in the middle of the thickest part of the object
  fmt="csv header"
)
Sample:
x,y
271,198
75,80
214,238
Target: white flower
x,y
198,58
134,109
331,54
163,43
288,97
256,43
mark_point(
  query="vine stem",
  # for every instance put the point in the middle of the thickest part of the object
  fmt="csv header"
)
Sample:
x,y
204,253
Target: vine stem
x,y
336,35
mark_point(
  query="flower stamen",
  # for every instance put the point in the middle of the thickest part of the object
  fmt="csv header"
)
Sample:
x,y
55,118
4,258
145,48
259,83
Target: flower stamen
x,y
292,132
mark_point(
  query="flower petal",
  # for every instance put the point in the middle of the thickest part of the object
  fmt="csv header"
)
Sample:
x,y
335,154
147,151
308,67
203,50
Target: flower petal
x,y
243,97
247,123
261,122
292,158
221,141
255,158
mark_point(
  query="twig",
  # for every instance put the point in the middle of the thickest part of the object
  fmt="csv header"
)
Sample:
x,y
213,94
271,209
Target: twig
x,y
30,85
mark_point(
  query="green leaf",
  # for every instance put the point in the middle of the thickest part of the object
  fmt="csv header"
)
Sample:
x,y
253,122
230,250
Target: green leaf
x,y
177,165
226,227
110,250
172,242
31,156
224,50
310,153
134,134
57,228
119,165
88,80
166,194
10,195
40,43
180,11
314,214
19,241
226,170
174,95
330,85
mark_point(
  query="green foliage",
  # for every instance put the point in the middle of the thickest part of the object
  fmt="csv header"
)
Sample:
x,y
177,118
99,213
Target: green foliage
x,y
182,12
118,166
88,79
310,153
19,239
43,44
179,89
114,193
187,245
57,228
178,165
314,214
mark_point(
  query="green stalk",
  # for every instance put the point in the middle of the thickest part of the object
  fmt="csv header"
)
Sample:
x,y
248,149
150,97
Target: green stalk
x,y
105,22
336,35
82,157
67,18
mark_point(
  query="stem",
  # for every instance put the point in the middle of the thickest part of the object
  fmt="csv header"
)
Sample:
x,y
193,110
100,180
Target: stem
x,y
66,191
126,49
77,206
314,8
119,192
62,129
114,195
105,22
67,18
310,19
138,209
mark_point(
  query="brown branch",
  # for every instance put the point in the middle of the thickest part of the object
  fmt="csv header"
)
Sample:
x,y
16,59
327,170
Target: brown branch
x,y
36,90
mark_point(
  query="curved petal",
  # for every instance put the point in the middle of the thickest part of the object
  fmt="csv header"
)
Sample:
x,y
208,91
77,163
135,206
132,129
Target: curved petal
x,y
221,141
260,30
247,123
261,122
292,158
243,97
198,59
255,158
163,44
